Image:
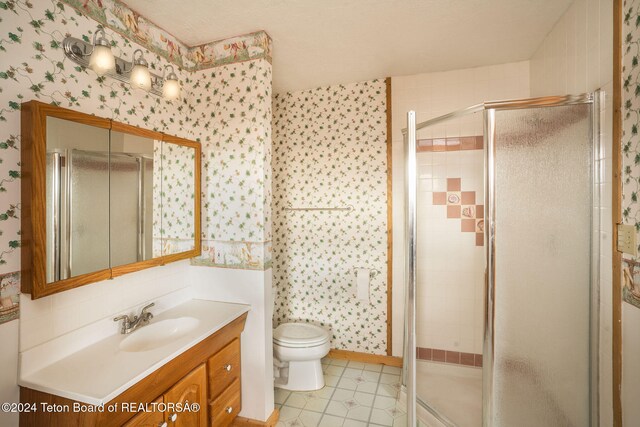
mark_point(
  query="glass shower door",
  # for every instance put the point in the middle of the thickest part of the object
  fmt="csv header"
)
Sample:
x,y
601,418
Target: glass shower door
x,y
536,228
540,186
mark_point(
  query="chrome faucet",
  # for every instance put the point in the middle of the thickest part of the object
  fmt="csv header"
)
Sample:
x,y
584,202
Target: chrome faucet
x,y
131,324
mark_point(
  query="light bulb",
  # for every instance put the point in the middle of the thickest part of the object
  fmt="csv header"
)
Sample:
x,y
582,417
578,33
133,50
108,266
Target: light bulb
x,y
140,77
101,60
171,89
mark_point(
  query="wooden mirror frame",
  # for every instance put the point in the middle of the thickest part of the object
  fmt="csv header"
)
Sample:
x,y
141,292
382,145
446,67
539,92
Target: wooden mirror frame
x,y
33,194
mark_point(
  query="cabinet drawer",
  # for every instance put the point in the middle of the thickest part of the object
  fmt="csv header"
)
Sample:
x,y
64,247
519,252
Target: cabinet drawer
x,y
223,368
227,406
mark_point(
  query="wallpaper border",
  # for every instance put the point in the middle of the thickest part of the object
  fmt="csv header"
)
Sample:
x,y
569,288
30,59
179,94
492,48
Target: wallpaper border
x,y
120,18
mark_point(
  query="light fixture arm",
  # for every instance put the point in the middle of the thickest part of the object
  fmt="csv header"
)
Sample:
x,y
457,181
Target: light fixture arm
x,y
102,40
79,52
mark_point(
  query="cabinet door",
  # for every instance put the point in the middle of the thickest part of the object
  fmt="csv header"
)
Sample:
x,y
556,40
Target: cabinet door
x,y
224,367
193,389
148,419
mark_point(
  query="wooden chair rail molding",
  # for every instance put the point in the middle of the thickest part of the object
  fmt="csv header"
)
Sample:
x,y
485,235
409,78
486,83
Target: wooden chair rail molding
x,y
366,357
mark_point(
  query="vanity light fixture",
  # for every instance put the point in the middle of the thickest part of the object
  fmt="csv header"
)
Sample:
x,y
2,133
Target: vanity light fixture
x,y
101,60
99,57
140,77
171,86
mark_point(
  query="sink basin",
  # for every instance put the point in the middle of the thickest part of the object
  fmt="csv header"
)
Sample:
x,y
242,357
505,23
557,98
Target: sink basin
x,y
158,334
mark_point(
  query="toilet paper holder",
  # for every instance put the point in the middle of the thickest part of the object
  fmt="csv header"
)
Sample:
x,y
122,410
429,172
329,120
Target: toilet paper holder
x,y
372,271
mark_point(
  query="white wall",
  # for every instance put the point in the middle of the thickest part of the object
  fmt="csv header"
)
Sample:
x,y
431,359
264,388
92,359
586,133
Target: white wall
x,y
9,391
50,317
577,57
431,95
253,288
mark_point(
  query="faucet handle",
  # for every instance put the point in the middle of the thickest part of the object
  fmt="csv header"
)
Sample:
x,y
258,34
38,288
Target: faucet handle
x,y
144,309
125,324
144,314
123,317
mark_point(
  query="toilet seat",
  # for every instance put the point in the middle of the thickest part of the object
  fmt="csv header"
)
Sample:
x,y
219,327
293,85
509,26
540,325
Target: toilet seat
x,y
300,335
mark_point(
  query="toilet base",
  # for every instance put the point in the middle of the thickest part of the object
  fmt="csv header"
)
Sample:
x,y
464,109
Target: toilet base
x,y
304,375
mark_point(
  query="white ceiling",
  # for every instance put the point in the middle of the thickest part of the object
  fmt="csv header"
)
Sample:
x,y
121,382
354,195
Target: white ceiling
x,y
323,42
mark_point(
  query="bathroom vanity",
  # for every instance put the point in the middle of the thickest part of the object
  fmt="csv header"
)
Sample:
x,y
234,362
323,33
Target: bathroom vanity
x,y
189,354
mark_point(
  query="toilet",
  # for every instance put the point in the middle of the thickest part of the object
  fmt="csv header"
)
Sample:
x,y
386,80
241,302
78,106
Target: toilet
x,y
297,351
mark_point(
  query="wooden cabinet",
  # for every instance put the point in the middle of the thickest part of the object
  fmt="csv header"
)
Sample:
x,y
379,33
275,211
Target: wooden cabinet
x,y
226,407
148,419
224,367
208,374
224,385
191,389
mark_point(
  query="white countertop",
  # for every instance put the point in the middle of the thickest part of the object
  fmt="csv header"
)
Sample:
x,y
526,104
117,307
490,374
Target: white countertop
x,y
101,371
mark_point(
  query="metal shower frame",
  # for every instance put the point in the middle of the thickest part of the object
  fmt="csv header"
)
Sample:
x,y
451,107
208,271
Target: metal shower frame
x,y
596,100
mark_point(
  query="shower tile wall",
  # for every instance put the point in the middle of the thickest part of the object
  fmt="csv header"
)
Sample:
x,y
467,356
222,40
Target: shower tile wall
x,y
450,253
431,95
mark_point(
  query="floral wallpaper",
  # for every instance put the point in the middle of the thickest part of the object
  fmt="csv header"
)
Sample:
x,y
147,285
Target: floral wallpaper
x,y
236,138
231,108
330,150
631,142
177,197
130,24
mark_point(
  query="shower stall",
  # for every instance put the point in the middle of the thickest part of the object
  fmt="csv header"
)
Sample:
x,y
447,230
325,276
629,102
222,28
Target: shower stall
x,y
501,266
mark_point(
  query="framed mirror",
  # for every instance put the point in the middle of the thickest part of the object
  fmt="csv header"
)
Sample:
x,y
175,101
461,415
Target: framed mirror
x,y
101,199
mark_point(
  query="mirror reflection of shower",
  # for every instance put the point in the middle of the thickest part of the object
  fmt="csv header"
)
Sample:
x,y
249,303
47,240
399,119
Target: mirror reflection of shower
x,y
84,173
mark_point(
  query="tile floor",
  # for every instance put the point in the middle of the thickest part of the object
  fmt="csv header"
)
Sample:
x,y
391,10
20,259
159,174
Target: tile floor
x,y
355,395
454,391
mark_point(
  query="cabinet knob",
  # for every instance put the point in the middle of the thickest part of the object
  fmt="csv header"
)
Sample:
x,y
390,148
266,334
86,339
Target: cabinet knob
x,y
173,417
229,409
227,367
163,424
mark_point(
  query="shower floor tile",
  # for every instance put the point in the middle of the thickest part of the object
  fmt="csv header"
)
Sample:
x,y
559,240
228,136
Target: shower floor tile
x,y
455,391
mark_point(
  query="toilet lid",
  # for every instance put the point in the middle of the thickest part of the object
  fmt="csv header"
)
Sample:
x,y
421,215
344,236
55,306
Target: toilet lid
x,y
300,334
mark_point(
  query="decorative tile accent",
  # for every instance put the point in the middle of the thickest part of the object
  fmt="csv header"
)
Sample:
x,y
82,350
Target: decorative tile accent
x,y
9,297
453,197
468,197
453,211
461,204
330,145
450,144
468,211
468,225
453,184
439,198
446,356
118,17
